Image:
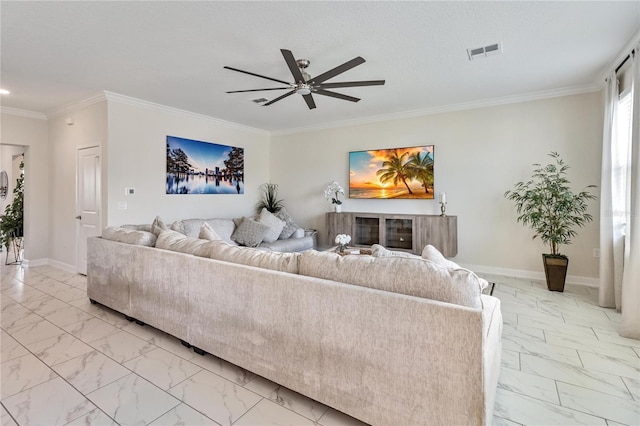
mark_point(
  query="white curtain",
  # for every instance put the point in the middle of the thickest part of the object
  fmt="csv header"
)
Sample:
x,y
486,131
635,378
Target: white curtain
x,y
630,326
620,210
611,228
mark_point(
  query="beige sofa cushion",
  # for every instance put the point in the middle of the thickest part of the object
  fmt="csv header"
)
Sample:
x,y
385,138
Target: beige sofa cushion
x,y
220,250
415,277
176,241
129,236
433,254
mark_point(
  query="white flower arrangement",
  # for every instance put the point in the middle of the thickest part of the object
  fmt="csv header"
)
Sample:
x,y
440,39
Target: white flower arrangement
x,y
333,191
343,239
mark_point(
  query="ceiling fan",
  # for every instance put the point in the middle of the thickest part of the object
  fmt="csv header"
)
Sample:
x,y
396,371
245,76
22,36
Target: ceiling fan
x,y
304,85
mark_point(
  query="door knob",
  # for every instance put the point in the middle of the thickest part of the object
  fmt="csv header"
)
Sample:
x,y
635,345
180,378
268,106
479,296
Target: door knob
x,y
78,217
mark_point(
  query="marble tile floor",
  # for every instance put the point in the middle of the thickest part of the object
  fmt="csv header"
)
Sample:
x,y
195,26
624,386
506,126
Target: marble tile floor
x,y
65,361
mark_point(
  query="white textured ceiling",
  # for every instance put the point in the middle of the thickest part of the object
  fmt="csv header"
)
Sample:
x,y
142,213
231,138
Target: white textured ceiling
x,y
172,53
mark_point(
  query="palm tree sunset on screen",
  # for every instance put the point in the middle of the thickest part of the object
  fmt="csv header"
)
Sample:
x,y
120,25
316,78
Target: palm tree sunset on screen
x,y
392,173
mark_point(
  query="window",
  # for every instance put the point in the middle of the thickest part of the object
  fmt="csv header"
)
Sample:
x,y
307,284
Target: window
x,y
621,159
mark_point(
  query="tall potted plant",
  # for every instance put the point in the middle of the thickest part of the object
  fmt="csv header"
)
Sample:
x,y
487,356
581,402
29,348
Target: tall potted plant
x,y
547,205
269,198
12,222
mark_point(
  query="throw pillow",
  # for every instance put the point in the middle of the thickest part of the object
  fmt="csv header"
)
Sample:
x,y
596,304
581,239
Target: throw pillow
x,y
158,226
129,236
178,226
379,251
249,232
433,254
207,233
289,225
273,224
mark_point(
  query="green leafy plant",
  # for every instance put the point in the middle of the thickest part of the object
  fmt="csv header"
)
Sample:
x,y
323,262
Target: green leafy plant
x,y
548,206
269,198
12,222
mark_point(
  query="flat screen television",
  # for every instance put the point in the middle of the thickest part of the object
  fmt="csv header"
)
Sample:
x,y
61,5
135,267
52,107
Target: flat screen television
x,y
398,173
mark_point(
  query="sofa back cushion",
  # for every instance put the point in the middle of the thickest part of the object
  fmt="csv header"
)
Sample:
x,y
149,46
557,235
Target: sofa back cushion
x,y
129,236
176,241
219,250
414,277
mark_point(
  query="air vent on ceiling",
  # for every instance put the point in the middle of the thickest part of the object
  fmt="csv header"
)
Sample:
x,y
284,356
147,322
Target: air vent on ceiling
x,y
484,51
260,100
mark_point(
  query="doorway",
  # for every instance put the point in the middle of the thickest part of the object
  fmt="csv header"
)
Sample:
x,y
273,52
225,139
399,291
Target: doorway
x,y
88,200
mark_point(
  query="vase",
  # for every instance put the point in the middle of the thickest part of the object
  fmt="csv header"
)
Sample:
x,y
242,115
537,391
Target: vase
x,y
337,208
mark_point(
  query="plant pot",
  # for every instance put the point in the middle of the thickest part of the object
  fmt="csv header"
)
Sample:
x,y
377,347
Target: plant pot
x,y
337,208
555,270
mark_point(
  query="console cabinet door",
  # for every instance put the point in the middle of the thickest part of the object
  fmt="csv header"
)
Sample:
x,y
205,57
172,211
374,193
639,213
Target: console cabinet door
x,y
439,231
338,223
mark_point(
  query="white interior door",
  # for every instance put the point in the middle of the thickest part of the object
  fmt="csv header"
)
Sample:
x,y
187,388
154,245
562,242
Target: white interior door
x,y
88,200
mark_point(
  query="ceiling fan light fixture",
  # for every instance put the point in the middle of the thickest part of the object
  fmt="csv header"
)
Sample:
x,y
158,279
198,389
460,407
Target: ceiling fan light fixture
x,y
303,89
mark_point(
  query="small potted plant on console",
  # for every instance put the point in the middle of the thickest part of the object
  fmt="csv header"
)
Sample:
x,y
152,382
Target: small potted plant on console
x,y
548,206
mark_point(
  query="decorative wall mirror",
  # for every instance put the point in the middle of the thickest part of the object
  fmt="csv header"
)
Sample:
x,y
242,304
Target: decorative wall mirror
x,y
4,185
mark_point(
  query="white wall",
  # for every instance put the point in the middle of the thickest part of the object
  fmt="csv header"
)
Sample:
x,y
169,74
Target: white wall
x,y
88,129
136,157
479,154
32,133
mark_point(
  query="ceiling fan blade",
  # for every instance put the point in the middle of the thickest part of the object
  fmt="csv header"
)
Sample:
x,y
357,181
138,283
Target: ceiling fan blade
x,y
351,84
309,100
293,65
279,97
337,70
259,90
257,75
336,95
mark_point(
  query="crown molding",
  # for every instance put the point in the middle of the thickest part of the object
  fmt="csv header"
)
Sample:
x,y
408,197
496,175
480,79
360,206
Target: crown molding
x,y
23,113
526,97
128,100
75,106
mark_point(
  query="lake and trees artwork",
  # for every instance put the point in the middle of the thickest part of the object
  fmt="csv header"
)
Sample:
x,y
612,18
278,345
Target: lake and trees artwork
x,y
392,173
195,167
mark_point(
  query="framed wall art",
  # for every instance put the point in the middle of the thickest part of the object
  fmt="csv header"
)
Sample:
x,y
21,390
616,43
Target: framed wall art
x,y
196,167
392,173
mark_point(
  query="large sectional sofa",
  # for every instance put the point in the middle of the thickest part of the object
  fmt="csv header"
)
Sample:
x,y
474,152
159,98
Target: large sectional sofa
x,y
387,339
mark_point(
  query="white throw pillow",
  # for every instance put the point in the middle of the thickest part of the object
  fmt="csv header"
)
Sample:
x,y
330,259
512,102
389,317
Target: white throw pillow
x,y
433,254
207,233
379,251
273,224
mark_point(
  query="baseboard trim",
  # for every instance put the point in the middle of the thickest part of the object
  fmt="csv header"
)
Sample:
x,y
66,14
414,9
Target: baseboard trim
x,y
52,262
531,275
63,266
